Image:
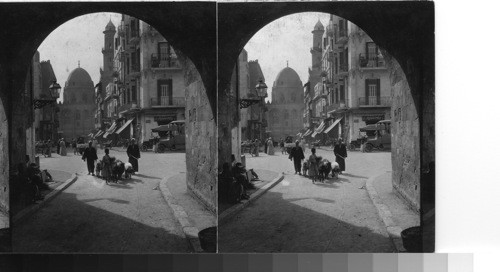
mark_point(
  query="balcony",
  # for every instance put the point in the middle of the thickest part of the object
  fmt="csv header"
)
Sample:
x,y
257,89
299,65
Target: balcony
x,y
166,101
375,101
341,35
164,61
341,105
371,61
133,35
343,68
135,70
122,29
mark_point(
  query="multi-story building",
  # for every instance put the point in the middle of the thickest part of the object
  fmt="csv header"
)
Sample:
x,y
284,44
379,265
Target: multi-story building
x,y
255,118
147,86
354,88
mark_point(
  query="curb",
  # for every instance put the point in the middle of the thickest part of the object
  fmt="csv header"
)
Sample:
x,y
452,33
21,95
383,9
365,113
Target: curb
x,y
393,230
227,214
189,229
30,210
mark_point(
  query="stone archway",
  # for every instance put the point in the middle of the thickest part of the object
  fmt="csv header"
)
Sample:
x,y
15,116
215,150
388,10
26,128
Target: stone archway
x,y
27,25
404,30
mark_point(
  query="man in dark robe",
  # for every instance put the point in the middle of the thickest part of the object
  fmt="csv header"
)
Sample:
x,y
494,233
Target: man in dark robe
x,y
133,154
90,154
297,154
340,152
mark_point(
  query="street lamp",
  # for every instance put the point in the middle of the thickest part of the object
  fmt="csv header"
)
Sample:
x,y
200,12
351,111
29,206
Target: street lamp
x,y
54,90
261,89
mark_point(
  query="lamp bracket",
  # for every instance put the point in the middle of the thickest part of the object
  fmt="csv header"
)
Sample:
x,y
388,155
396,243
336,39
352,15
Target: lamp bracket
x,y
245,103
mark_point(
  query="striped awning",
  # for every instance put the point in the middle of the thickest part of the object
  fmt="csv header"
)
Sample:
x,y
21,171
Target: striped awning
x,y
111,130
320,129
308,132
332,125
124,126
99,133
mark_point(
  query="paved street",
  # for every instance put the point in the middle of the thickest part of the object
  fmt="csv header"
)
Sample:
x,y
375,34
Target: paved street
x,y
299,216
90,216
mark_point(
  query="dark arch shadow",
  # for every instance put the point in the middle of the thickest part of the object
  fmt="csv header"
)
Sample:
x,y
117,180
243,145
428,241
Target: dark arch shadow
x,y
403,30
190,27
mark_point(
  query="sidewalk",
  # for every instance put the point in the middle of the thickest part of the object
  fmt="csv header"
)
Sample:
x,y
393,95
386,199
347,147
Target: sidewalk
x,y
58,178
265,177
189,212
395,213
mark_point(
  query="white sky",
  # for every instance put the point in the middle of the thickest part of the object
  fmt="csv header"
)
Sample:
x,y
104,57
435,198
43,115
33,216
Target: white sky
x,y
80,39
287,38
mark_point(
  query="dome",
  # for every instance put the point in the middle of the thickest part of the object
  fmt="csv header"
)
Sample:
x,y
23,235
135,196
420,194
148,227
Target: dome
x,y
287,78
79,77
319,26
110,26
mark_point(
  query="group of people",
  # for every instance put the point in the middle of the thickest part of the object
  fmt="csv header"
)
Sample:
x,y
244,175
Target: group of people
x,y
297,155
234,181
90,156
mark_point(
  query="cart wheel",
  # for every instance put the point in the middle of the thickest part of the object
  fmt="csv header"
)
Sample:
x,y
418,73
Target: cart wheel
x,y
161,148
369,148
144,147
352,147
173,148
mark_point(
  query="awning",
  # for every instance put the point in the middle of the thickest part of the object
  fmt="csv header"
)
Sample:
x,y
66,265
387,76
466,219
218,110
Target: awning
x,y
332,125
111,130
124,126
164,128
307,133
320,129
299,134
90,135
99,133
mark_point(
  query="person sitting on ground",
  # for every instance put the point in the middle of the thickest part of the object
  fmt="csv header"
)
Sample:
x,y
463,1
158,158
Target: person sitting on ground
x,y
233,164
239,174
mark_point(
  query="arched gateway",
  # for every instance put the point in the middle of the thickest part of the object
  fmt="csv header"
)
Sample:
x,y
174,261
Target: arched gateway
x,y
405,33
189,27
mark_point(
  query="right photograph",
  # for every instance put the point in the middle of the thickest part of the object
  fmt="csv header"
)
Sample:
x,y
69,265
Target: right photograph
x,y
326,127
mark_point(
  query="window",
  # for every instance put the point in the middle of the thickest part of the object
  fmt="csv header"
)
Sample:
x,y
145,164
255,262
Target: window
x,y
372,92
134,94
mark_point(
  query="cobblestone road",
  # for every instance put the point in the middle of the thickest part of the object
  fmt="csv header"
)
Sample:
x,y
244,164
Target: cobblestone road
x,y
299,216
90,216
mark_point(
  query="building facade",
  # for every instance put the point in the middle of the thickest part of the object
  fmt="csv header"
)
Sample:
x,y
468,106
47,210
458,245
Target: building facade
x,y
287,106
46,118
78,107
353,89
146,88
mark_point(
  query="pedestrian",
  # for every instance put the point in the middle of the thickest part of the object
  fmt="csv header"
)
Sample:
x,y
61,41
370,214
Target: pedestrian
x,y
106,166
297,155
73,145
265,145
282,146
340,152
134,154
49,148
58,146
90,154
256,145
303,144
313,165
62,147
270,146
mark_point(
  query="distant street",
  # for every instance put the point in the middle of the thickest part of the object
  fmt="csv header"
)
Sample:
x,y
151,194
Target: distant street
x,y
90,216
299,216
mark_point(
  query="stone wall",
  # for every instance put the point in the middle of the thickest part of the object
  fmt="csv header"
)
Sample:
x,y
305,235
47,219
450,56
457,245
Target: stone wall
x,y
201,140
405,138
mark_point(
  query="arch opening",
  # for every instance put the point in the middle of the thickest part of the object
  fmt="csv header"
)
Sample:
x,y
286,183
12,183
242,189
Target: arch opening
x,y
400,104
145,88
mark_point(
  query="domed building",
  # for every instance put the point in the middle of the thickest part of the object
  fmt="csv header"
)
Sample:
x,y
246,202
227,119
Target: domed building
x,y
287,106
77,110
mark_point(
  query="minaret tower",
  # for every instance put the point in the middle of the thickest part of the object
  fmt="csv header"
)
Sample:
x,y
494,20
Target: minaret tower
x,y
316,50
108,54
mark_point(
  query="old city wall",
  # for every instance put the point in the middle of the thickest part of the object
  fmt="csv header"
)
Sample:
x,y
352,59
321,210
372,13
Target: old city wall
x,y
201,141
405,138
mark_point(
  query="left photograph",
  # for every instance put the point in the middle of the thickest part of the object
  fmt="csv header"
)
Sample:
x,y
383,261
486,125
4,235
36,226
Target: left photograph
x,y
108,140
